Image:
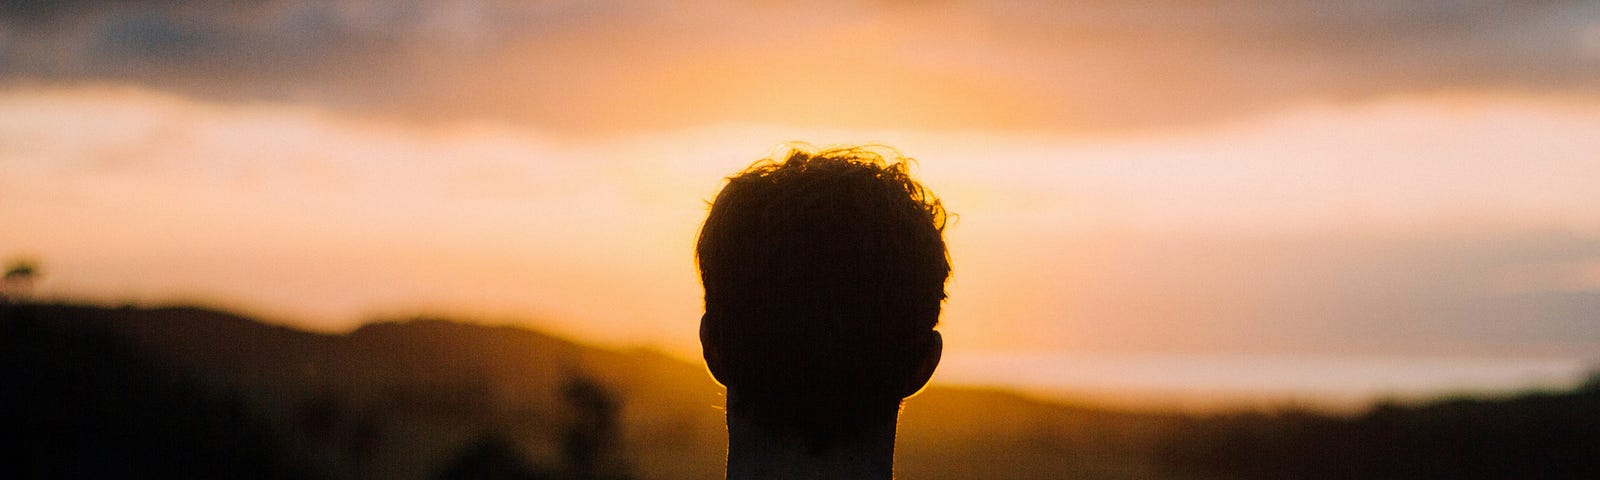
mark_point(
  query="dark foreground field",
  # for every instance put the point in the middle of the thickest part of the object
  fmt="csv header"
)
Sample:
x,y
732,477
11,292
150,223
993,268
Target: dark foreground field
x,y
93,392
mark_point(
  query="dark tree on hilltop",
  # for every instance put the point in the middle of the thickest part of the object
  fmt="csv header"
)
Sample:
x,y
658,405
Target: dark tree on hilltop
x,y
19,279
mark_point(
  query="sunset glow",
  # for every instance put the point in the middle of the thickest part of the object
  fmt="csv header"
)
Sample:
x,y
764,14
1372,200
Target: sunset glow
x,y
1189,195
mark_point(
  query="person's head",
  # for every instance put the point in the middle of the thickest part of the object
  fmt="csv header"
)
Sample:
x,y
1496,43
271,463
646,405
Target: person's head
x,y
824,273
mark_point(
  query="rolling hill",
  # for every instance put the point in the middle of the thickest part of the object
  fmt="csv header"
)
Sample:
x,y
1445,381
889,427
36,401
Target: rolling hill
x,y
186,392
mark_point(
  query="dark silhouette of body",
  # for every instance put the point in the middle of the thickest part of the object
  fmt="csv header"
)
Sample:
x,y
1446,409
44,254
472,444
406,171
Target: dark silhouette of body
x,y
824,275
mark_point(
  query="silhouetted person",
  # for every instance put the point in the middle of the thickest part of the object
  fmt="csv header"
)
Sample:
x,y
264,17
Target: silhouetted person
x,y
824,273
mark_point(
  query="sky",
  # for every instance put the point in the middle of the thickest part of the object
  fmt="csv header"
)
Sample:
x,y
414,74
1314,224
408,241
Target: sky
x,y
1191,178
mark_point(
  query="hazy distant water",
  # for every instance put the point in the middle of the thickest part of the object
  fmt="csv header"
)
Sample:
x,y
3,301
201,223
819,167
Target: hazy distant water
x,y
1223,380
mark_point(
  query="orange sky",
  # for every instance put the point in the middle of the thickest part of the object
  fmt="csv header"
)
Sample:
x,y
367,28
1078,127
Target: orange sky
x,y
1249,178
1192,239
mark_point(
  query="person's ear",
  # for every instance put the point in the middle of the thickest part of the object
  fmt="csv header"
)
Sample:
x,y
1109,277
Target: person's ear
x,y
932,351
711,349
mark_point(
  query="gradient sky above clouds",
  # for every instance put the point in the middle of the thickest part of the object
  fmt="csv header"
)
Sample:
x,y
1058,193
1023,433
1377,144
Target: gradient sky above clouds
x,y
1228,176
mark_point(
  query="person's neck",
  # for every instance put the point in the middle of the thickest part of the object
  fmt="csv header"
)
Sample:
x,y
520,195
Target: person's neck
x,y
756,453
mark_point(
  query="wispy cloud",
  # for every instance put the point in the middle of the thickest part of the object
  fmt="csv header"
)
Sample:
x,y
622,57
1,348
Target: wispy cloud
x,y
586,66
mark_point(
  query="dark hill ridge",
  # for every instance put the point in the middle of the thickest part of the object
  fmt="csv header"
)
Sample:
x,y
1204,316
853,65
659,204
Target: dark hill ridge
x,y
433,386
415,398
425,387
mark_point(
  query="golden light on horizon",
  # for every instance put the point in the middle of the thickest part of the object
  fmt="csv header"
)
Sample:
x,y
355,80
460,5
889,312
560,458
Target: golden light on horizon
x,y
1077,242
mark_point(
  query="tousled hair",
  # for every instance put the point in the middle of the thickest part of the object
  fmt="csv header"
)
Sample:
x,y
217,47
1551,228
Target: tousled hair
x,y
824,273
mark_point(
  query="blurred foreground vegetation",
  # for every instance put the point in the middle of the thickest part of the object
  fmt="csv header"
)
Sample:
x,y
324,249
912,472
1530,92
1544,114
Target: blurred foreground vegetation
x,y
95,392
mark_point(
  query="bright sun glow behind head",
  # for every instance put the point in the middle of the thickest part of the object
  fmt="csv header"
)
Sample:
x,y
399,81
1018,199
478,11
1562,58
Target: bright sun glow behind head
x,y
1179,239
